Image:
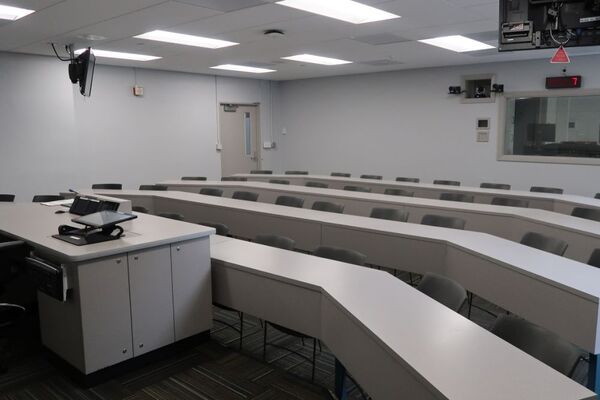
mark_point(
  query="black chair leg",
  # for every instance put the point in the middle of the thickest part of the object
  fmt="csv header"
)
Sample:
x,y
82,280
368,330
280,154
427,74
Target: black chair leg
x,y
470,301
314,360
241,329
265,343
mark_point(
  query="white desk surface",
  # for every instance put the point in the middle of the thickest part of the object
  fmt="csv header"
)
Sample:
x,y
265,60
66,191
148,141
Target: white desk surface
x,y
455,357
35,223
581,225
563,275
571,200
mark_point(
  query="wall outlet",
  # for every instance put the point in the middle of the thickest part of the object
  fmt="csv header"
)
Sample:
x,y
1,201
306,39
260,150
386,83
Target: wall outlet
x,y
138,91
483,136
268,145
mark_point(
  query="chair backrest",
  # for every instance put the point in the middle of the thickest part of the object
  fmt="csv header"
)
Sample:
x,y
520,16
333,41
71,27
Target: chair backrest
x,y
378,177
279,181
357,189
445,182
193,178
242,195
443,290
597,196
262,172
399,192
234,179
595,258
405,179
587,213
290,201
43,198
221,229
296,172
502,186
175,216
544,243
281,242
115,186
317,185
541,189
443,221
341,254
212,192
465,198
538,342
328,206
7,198
153,187
510,202
341,174
389,213
140,209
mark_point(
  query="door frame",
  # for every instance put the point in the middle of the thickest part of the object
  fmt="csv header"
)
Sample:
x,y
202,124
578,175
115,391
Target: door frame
x,y
258,125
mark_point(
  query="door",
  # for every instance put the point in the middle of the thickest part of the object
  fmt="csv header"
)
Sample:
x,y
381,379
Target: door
x,y
240,139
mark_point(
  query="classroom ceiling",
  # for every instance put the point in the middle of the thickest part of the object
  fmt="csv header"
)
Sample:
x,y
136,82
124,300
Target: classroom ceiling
x,y
372,47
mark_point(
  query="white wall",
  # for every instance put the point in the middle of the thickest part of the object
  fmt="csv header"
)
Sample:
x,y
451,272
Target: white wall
x,y
52,139
404,124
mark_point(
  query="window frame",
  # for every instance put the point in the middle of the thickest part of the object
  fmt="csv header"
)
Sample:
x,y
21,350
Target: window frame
x,y
502,106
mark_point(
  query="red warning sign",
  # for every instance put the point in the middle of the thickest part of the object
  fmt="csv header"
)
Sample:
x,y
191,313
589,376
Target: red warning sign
x,y
560,57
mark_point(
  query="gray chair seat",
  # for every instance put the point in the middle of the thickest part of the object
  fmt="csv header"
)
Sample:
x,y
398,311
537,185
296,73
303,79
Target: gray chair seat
x,y
509,202
587,213
443,290
114,186
242,195
280,181
153,187
443,221
328,206
544,243
377,177
193,178
352,188
464,198
399,192
341,174
290,201
541,189
391,214
445,182
211,192
405,179
501,186
317,185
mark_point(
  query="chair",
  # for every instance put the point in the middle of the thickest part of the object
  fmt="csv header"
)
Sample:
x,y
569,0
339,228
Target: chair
x,y
544,243
175,216
328,206
280,181
341,174
357,189
539,343
242,195
378,177
234,179
443,290
507,201
290,201
399,192
597,196
280,242
587,213
443,221
7,198
502,186
317,185
212,192
465,198
296,172
595,259
541,189
404,179
341,254
140,209
153,187
391,214
43,198
261,172
221,229
193,178
114,186
444,182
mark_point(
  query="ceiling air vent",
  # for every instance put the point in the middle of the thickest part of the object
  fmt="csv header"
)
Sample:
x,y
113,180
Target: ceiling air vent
x,y
379,39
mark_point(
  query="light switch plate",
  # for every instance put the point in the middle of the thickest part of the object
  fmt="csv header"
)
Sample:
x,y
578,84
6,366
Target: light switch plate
x,y
483,136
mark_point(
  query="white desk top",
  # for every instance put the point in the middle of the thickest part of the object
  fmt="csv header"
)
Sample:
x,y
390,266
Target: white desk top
x,y
576,201
572,276
35,223
539,216
457,358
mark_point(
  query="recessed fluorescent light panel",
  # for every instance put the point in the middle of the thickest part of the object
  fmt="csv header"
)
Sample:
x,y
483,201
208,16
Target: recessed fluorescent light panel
x,y
187,40
345,10
117,54
309,58
243,68
13,13
457,43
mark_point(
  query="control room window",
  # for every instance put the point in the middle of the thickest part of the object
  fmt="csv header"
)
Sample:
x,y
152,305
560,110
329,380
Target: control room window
x,y
562,127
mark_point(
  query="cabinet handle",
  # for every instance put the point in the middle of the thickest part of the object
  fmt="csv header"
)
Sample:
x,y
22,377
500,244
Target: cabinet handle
x,y
124,351
178,248
141,345
119,261
135,258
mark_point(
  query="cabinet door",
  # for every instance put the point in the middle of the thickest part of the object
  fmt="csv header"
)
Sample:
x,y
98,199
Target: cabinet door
x,y
151,299
105,312
192,292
